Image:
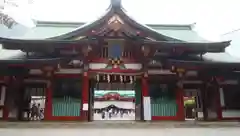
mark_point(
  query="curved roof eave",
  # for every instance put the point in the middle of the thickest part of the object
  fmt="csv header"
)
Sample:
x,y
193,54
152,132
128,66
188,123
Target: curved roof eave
x,y
115,9
155,34
84,28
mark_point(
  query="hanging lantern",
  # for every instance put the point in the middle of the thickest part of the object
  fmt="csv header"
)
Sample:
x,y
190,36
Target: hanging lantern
x,y
97,77
108,78
58,66
121,78
131,79
173,69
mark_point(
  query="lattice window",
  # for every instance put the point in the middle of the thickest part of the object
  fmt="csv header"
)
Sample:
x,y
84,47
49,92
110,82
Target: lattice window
x,y
127,54
104,52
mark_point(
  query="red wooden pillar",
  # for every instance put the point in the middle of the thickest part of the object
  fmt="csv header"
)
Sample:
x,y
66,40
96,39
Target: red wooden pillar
x,y
5,108
180,103
145,86
85,93
145,93
7,81
48,103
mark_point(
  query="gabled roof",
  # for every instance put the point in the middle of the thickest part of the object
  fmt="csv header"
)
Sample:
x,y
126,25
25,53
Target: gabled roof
x,y
115,9
61,31
115,17
49,29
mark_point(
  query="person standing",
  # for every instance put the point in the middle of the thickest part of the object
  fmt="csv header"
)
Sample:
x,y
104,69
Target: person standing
x,y
39,112
34,112
103,114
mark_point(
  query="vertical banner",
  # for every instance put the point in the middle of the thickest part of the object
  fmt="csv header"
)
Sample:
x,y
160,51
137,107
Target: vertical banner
x,y
147,108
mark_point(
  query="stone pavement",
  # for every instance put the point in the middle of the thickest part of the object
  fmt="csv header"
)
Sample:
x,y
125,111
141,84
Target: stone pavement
x,y
120,124
121,132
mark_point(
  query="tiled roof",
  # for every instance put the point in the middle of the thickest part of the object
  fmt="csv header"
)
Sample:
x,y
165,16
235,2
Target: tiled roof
x,y
10,54
234,36
220,57
52,29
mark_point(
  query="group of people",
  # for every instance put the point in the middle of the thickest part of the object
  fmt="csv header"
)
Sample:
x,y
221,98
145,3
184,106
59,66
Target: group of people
x,y
36,112
108,114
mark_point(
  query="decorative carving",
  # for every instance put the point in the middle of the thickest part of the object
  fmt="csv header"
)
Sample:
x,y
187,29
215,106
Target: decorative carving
x,y
145,50
115,23
86,50
155,63
114,19
48,70
76,63
179,71
115,62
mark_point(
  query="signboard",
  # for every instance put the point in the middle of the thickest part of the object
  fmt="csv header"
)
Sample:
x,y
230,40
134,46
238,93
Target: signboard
x,y
85,107
147,108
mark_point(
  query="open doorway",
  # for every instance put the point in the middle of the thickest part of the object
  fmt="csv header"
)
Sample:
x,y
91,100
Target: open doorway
x,y
33,106
114,101
190,103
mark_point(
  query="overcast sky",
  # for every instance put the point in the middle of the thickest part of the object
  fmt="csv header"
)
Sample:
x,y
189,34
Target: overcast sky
x,y
213,17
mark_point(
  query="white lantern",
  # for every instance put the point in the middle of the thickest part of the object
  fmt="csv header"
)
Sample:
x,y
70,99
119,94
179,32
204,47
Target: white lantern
x,y
131,79
97,77
121,78
108,78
